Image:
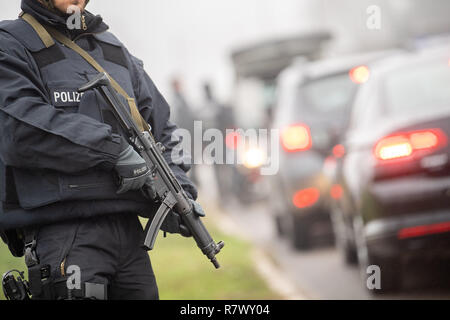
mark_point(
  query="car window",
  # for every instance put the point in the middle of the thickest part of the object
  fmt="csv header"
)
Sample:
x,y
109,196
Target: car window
x,y
419,89
329,94
366,110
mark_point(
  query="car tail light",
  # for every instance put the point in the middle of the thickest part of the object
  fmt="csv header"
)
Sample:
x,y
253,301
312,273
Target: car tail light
x,y
393,148
296,138
336,191
360,74
407,144
339,151
424,140
306,198
425,230
254,158
232,140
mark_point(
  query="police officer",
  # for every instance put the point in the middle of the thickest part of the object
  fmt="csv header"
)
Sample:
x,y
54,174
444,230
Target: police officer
x,y
63,153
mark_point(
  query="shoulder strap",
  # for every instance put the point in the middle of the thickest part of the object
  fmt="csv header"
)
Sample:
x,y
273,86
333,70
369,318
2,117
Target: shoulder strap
x,y
40,30
47,33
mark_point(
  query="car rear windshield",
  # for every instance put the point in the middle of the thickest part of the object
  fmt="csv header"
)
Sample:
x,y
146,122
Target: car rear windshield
x,y
328,94
419,89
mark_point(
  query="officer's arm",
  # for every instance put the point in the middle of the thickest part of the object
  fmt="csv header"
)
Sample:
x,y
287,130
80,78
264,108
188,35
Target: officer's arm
x,y
156,111
34,134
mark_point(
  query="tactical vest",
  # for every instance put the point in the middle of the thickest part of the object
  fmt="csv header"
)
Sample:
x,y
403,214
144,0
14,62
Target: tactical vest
x,y
63,71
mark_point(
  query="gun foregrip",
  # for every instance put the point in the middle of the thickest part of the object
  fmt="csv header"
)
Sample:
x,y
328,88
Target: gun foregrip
x,y
202,237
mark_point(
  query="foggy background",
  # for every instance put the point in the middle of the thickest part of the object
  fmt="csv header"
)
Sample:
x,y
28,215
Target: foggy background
x,y
193,40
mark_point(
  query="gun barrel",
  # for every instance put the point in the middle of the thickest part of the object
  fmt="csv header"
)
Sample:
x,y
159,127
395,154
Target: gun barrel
x,y
219,247
202,237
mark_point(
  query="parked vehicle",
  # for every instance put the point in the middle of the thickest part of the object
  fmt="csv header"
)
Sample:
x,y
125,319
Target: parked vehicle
x,y
394,178
312,112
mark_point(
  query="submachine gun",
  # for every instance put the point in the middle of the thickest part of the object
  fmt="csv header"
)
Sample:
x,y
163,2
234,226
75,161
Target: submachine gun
x,y
165,189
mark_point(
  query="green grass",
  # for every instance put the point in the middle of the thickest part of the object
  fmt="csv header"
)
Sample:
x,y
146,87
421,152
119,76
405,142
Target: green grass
x,y
182,272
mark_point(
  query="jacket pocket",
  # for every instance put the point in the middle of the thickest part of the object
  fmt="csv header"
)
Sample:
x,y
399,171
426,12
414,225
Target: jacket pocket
x,y
36,188
8,193
93,184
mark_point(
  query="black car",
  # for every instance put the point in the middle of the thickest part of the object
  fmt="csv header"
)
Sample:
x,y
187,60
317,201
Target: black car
x,y
395,175
311,113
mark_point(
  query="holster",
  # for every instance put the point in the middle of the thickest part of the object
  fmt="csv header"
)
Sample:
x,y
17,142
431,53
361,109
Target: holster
x,y
38,275
44,287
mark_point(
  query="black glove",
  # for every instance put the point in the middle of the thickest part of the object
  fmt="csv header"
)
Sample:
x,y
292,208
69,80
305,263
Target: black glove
x,y
132,170
174,223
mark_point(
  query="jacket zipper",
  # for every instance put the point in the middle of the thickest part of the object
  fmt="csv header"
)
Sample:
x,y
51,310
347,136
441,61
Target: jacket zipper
x,y
86,186
83,22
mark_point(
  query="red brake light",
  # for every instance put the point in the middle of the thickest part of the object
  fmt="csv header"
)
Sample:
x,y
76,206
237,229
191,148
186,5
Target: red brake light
x,y
339,151
424,140
421,231
232,140
403,145
360,74
296,138
336,191
306,198
393,148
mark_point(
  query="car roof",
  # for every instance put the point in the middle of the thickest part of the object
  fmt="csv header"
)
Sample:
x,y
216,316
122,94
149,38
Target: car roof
x,y
411,57
391,64
333,65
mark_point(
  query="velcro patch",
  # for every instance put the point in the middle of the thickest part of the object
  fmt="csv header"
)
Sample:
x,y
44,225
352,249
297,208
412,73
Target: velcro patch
x,y
64,97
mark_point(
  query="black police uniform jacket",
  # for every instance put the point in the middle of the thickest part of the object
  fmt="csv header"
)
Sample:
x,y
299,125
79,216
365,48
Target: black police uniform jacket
x,y
58,147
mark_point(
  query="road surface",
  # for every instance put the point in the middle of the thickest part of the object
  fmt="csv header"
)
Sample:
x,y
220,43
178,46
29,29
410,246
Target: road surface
x,y
321,273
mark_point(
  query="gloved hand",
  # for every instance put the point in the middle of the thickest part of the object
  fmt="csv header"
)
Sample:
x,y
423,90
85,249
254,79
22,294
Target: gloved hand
x,y
174,223
132,170
198,210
